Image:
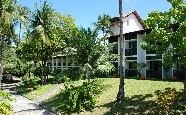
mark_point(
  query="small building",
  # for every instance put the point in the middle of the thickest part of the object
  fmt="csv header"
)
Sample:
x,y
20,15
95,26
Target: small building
x,y
61,62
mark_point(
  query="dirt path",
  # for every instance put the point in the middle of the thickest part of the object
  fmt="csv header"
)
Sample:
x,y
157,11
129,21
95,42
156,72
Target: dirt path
x,y
23,106
50,93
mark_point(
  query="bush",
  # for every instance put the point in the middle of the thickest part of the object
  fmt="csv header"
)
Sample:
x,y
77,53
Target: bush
x,y
16,69
28,83
55,72
102,71
168,100
37,71
73,74
5,107
76,99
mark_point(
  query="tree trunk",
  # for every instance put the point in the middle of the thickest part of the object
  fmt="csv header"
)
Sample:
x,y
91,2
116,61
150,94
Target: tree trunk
x,y
42,73
185,87
18,42
121,92
1,60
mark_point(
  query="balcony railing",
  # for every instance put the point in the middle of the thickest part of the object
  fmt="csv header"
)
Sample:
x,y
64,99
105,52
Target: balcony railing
x,y
129,52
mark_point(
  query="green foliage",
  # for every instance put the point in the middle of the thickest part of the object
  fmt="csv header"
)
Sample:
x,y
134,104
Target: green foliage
x,y
103,24
29,82
168,100
77,99
5,107
165,99
102,71
71,74
168,33
37,71
5,96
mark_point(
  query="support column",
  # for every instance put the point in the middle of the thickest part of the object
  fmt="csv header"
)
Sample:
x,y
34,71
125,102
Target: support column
x,y
52,63
163,72
141,54
56,62
66,62
61,63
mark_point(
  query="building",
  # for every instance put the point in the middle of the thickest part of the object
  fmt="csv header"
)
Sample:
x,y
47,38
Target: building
x,y
61,62
134,32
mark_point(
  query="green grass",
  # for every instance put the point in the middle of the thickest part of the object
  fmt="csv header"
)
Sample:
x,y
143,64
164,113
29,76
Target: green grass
x,y
140,96
38,92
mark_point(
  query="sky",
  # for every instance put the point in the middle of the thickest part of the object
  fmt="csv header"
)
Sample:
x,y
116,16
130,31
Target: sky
x,y
86,12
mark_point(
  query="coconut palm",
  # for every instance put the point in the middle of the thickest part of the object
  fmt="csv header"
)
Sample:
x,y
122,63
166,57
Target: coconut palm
x,y
121,92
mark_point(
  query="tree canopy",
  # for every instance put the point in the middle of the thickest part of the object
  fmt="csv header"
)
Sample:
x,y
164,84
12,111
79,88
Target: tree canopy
x,y
168,34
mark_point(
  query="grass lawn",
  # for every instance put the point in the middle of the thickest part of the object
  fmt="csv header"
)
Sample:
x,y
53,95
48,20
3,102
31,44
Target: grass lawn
x,y
38,92
140,96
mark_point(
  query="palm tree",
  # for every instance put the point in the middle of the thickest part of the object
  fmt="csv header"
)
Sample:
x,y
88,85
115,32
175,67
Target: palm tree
x,y
22,16
7,24
121,92
44,24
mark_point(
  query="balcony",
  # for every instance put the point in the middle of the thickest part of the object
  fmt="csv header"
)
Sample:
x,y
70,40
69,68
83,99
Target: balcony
x,y
129,52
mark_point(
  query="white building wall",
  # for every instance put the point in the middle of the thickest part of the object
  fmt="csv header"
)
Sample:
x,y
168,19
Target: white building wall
x,y
130,24
141,54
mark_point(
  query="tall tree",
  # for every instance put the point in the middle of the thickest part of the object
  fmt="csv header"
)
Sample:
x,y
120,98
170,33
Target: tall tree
x,y
46,35
88,47
168,34
42,35
103,25
7,24
121,92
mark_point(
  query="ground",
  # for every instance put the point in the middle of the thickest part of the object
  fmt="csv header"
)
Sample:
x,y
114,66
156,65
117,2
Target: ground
x,y
22,105
140,97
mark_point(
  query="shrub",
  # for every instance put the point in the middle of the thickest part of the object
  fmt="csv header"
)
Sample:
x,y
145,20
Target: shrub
x,y
5,107
76,99
102,71
5,96
166,99
72,74
28,83
37,71
55,72
16,69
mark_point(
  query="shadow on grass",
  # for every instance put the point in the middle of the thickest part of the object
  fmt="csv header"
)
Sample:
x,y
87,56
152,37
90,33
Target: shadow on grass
x,y
137,104
156,79
55,102
143,105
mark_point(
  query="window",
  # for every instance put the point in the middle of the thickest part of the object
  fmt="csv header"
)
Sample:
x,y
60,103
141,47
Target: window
x,y
127,22
59,63
132,65
115,49
133,44
131,58
130,36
